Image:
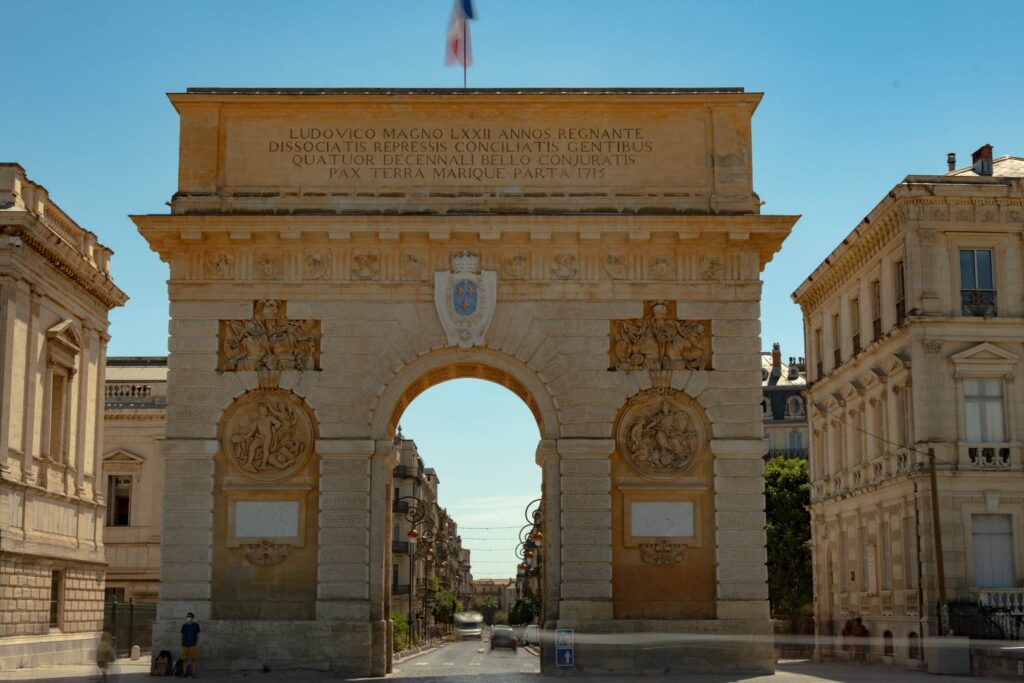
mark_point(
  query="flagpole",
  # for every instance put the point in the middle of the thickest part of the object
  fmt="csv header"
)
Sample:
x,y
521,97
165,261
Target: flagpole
x,y
465,24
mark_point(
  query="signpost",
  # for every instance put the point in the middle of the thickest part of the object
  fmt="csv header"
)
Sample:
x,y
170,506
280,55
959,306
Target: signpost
x,y
564,647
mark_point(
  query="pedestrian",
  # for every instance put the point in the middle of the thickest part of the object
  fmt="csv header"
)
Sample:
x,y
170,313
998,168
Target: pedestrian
x,y
189,645
105,656
860,634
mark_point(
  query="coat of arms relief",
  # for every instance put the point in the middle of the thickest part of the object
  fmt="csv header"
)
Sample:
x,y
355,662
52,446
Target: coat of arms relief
x,y
465,297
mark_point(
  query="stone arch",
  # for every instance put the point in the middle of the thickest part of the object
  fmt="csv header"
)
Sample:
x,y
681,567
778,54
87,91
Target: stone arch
x,y
451,363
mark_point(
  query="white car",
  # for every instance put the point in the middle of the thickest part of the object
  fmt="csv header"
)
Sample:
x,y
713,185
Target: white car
x,y
532,635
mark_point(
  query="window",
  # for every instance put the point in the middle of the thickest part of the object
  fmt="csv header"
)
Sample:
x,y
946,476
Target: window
x,y
886,540
901,293
914,646
870,570
394,575
887,648
817,352
794,407
983,410
903,417
119,500
992,536
113,595
909,553
977,285
855,324
56,597
876,310
837,354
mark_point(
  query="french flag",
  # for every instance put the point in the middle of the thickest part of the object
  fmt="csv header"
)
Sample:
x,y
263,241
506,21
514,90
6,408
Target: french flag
x,y
458,49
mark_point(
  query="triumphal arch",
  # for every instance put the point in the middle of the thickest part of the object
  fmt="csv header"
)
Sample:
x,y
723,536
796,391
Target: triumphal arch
x,y
335,252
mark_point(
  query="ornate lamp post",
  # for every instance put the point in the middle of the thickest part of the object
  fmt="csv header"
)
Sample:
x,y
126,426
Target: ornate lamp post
x,y
422,534
531,536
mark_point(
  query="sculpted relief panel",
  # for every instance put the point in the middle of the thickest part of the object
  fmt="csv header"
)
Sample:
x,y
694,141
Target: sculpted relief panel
x,y
267,434
269,341
660,342
660,434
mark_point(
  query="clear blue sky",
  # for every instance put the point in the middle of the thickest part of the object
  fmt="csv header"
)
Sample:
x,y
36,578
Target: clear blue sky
x,y
857,95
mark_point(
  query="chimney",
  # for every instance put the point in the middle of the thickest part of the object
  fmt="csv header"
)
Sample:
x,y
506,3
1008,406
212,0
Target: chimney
x,y
776,356
951,161
982,160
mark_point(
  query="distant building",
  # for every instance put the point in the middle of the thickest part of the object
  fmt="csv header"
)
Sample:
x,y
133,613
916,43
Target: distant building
x,y
502,590
914,345
783,404
55,296
133,469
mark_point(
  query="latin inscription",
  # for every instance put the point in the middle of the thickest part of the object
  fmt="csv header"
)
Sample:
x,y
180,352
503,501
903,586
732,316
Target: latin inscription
x,y
482,155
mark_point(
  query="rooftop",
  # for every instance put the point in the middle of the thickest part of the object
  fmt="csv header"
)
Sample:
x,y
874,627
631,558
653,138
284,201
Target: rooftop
x,y
461,91
1004,167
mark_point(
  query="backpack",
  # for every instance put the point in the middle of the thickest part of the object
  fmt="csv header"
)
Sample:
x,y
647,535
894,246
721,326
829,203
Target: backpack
x,y
179,668
161,664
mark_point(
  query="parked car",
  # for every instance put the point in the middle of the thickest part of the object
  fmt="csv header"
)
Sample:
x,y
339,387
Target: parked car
x,y
503,636
532,635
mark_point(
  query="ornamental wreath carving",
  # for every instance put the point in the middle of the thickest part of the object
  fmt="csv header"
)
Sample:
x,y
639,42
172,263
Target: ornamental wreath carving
x,y
264,553
660,342
660,435
269,341
661,552
267,434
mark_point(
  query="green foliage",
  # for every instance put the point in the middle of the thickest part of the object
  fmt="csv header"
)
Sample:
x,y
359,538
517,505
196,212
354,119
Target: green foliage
x,y
500,617
488,606
401,625
445,607
523,612
787,495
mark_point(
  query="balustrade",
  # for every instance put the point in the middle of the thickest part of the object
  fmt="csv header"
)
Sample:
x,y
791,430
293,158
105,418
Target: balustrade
x,y
1008,599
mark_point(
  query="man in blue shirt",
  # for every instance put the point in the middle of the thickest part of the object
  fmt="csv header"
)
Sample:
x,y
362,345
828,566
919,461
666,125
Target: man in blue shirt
x,y
189,645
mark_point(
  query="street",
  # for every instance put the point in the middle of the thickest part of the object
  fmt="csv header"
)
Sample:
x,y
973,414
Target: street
x,y
469,658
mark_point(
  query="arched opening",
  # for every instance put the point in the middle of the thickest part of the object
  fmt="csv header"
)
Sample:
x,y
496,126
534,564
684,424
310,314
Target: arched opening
x,y
466,525
913,646
887,647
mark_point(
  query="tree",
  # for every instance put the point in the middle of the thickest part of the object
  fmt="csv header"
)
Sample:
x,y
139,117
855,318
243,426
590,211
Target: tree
x,y
401,631
787,495
445,607
488,606
523,611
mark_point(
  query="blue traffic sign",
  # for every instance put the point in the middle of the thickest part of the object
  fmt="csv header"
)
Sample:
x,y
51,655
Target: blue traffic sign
x,y
564,656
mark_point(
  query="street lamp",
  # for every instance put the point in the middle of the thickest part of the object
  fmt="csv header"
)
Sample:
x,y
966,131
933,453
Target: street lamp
x,y
531,536
419,543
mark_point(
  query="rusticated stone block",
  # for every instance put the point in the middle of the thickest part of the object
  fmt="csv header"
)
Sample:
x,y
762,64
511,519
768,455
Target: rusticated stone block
x,y
588,501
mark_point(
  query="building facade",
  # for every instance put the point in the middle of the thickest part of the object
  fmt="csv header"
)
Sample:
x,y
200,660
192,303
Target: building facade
x,y
783,405
915,337
501,591
133,471
55,295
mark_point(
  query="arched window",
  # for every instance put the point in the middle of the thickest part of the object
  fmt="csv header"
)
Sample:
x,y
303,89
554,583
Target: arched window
x,y
887,648
794,406
914,646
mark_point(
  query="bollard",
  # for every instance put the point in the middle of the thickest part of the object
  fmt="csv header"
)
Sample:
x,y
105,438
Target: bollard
x,y
136,653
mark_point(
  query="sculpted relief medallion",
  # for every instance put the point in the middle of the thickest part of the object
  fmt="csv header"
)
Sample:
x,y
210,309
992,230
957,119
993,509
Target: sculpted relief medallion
x,y
267,434
269,341
660,435
660,342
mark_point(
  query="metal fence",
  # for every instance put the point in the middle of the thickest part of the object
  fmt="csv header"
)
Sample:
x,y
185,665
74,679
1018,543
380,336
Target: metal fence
x,y
129,624
983,622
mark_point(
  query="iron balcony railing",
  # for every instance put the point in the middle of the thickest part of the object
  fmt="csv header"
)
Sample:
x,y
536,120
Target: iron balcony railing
x,y
787,453
978,303
400,547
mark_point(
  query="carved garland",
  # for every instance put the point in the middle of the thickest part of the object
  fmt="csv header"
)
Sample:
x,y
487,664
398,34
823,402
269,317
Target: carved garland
x,y
661,552
264,553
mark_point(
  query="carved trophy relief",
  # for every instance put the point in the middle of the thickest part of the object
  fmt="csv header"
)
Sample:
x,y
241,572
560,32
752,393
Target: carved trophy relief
x,y
366,266
615,266
515,266
662,267
660,342
264,553
267,434
566,266
269,341
316,266
661,552
219,266
1015,214
711,268
660,435
414,268
268,266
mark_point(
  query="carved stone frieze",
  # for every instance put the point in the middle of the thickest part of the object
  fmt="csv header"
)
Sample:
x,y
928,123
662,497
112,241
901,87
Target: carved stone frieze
x,y
566,266
661,552
264,553
516,266
219,266
269,341
615,266
711,268
662,267
366,266
660,342
267,434
660,434
414,268
316,266
268,266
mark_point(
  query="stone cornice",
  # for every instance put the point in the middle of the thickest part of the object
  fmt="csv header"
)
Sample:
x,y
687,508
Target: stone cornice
x,y
63,257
